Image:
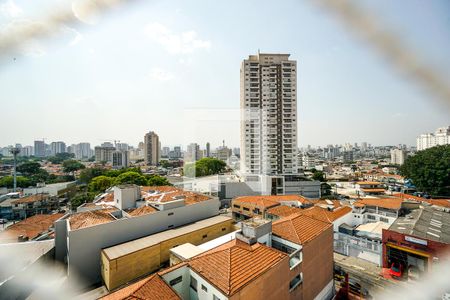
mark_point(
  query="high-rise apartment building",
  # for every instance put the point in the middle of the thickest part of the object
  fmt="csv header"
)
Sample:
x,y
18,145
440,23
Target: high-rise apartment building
x,y
193,153
428,140
120,159
398,156
57,147
269,114
208,150
151,149
39,148
104,153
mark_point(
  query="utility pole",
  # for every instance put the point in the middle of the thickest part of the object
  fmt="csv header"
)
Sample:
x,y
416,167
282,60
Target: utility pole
x,y
14,151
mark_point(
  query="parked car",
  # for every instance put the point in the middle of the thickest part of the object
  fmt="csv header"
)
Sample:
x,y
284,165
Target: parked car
x,y
396,270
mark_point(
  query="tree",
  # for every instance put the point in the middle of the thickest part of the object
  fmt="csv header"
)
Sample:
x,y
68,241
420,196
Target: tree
x,y
205,166
325,189
100,183
8,181
79,199
29,168
60,157
72,165
131,178
429,170
157,180
86,175
319,175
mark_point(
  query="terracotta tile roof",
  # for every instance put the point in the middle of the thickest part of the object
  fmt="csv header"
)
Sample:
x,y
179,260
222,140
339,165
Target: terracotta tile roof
x,y
270,200
231,266
437,202
169,193
31,199
152,287
283,210
324,203
91,218
368,182
326,215
390,203
140,211
373,190
30,227
299,228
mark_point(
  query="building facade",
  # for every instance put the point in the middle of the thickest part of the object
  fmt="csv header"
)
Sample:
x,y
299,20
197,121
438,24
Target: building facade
x,y
151,149
428,140
268,114
39,148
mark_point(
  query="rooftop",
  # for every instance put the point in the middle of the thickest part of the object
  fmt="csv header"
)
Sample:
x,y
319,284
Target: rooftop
x,y
299,228
437,202
154,239
91,218
140,211
161,194
389,203
368,183
283,210
231,266
323,214
270,200
427,223
152,287
31,199
30,227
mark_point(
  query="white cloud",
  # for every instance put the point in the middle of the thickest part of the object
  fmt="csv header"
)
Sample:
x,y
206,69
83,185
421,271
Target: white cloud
x,y
160,74
77,37
181,43
10,9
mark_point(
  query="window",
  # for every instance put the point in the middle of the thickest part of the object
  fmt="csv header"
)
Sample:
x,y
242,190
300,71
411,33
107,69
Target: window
x,y
215,297
224,228
295,282
246,209
193,283
370,217
236,206
176,280
204,236
385,220
170,226
204,288
170,214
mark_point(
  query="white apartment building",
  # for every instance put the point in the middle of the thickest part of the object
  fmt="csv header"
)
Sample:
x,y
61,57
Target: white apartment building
x,y
104,154
398,156
428,140
268,114
57,147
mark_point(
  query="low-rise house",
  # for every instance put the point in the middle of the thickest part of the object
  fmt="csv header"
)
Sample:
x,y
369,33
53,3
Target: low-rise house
x,y
376,209
250,206
133,214
32,205
364,188
420,240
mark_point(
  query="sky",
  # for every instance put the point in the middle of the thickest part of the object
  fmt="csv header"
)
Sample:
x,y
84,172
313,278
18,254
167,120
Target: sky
x,y
173,67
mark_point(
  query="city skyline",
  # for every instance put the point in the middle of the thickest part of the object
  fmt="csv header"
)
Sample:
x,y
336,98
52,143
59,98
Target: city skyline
x,y
365,99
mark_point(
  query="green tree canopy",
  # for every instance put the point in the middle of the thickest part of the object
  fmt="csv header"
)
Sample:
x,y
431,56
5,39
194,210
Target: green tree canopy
x,y
131,177
100,183
72,165
60,157
205,166
8,181
429,170
318,175
86,175
29,168
157,180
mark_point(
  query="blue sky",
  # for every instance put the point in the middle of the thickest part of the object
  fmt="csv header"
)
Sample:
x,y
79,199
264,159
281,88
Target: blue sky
x,y
173,67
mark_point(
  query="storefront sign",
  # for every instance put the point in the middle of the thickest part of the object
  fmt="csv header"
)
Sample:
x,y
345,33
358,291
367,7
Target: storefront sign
x,y
415,240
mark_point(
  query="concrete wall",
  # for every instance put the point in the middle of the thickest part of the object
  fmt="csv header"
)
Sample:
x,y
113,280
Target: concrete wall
x,y
309,189
84,245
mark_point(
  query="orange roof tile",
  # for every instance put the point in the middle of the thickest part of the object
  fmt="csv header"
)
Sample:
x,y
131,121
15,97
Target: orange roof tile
x,y
91,218
368,182
231,266
152,287
168,193
267,201
30,227
390,203
140,211
283,210
437,202
31,199
326,215
373,190
299,228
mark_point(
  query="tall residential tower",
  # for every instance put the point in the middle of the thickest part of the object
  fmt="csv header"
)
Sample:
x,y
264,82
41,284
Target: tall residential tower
x,y
151,149
269,114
